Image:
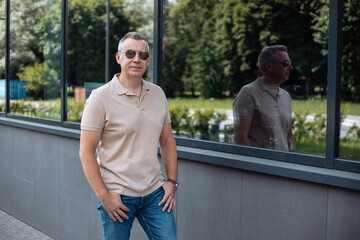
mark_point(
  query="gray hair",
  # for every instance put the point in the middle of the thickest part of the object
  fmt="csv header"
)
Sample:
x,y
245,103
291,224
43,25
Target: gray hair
x,y
132,35
268,54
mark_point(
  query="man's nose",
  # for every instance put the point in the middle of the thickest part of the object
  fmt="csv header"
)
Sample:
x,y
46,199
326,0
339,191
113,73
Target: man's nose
x,y
137,57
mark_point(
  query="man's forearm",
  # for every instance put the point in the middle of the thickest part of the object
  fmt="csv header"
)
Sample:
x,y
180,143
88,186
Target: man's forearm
x,y
169,156
92,173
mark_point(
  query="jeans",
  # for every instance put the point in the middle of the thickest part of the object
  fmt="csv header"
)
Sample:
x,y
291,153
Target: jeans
x,y
157,224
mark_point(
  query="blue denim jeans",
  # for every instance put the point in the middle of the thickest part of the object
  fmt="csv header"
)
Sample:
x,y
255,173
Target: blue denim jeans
x,y
157,224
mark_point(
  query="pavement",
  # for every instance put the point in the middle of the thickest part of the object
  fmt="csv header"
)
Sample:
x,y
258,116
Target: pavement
x,y
14,229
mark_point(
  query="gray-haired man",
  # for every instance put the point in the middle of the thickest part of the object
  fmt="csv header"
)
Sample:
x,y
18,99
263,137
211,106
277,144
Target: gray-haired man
x,y
262,110
124,121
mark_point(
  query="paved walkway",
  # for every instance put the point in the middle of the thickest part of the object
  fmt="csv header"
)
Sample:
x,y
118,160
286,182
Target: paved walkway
x,y
14,229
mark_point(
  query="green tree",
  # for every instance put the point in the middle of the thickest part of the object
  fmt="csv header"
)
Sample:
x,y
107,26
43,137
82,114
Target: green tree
x,y
237,38
32,52
173,55
86,41
35,80
185,54
87,35
350,80
290,23
219,42
25,49
50,41
130,15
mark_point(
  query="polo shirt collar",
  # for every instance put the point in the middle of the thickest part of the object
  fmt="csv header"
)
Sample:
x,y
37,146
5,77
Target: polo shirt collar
x,y
119,89
267,87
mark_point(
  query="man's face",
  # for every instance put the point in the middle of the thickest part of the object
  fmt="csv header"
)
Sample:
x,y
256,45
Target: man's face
x,y
133,67
281,67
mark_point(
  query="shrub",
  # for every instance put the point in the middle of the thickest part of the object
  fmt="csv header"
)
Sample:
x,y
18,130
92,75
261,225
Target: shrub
x,y
191,122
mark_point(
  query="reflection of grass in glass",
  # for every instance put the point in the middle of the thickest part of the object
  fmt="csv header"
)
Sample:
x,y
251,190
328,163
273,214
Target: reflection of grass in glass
x,y
311,105
200,103
311,147
350,149
350,108
317,106
75,110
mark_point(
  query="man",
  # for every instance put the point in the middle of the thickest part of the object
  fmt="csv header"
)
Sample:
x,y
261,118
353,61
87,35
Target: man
x,y
123,122
262,110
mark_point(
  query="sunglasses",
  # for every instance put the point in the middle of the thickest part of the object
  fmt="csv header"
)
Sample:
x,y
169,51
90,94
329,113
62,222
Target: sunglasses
x,y
130,54
285,63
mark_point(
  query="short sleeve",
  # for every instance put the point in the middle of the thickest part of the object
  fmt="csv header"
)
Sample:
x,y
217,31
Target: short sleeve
x,y
94,115
244,105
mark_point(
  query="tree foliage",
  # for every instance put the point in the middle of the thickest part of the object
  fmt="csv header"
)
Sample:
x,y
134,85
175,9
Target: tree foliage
x,y
212,46
350,81
36,26
209,47
87,36
25,49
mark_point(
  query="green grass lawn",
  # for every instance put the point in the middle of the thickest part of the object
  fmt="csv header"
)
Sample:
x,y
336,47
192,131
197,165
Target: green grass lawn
x,y
200,103
315,148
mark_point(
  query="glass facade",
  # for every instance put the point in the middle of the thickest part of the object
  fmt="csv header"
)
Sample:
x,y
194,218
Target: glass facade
x,y
211,51
92,44
203,56
350,82
35,32
86,37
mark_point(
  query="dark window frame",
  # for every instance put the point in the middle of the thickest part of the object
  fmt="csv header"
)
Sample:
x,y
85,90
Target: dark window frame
x,y
331,159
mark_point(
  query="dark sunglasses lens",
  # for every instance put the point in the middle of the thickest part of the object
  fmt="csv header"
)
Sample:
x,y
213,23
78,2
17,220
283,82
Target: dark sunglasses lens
x,y
143,55
286,63
130,54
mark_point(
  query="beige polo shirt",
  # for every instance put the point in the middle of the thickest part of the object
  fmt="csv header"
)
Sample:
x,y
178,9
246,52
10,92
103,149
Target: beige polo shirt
x,y
131,128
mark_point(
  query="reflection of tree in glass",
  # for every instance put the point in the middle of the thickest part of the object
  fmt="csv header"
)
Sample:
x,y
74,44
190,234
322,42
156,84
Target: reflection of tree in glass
x,y
38,42
212,46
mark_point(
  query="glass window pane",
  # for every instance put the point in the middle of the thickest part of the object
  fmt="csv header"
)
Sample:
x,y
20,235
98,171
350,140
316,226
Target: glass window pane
x,y
87,44
139,15
35,27
210,52
2,56
350,82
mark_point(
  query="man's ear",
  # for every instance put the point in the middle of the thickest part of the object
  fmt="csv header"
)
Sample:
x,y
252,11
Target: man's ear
x,y
268,66
117,57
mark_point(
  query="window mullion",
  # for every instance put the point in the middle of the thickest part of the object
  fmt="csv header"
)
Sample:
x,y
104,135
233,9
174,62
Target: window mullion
x,y
158,26
7,57
107,43
64,61
334,75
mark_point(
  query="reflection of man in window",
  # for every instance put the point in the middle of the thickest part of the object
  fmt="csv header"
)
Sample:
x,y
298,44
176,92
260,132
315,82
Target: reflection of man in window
x,y
262,110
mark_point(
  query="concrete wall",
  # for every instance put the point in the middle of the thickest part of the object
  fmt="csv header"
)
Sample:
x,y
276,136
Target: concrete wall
x,y
42,183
